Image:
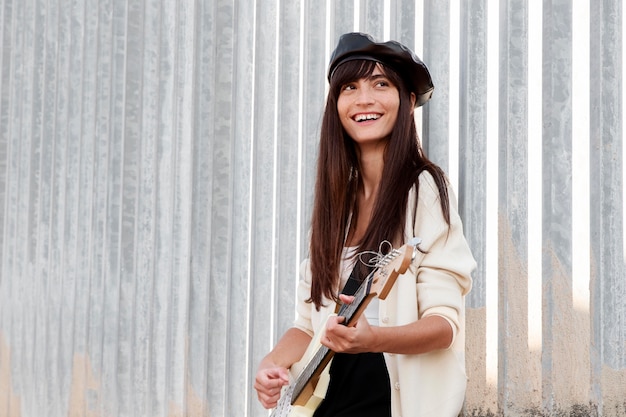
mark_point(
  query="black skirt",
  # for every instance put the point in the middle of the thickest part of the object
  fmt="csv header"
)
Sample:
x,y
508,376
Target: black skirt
x,y
359,387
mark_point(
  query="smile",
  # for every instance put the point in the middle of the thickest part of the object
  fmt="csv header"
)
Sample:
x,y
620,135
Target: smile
x,y
366,117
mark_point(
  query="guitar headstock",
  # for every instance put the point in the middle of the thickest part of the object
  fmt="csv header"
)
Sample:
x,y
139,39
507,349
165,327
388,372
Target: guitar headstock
x,y
390,266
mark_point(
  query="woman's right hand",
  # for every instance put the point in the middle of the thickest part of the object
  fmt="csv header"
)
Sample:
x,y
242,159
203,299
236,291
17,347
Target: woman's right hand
x,y
268,384
272,373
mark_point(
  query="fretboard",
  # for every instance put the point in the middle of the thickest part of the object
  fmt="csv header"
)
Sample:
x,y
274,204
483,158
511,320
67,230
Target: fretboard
x,y
346,310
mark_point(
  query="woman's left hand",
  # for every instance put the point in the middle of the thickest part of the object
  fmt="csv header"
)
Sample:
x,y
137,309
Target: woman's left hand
x,y
349,339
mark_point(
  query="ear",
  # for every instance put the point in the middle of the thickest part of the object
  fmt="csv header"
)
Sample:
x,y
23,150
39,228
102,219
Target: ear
x,y
413,98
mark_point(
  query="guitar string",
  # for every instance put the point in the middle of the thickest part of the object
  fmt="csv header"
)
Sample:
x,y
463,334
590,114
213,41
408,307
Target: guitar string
x,y
384,249
346,310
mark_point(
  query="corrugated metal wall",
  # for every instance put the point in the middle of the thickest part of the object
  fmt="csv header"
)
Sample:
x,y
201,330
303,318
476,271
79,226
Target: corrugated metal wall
x,y
156,171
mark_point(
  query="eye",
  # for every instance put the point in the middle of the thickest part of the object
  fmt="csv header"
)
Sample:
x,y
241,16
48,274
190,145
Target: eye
x,y
348,87
382,83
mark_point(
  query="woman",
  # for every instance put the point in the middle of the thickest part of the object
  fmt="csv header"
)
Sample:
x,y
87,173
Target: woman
x,y
405,355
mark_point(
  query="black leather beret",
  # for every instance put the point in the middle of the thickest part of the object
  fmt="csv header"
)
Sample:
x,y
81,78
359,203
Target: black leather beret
x,y
353,46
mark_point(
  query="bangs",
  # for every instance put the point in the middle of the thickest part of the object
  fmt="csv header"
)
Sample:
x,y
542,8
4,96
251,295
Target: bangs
x,y
354,70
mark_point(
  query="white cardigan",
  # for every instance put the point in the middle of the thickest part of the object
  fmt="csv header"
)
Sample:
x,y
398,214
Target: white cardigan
x,y
431,384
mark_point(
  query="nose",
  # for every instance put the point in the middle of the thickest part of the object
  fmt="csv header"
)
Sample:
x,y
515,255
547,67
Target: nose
x,y
364,95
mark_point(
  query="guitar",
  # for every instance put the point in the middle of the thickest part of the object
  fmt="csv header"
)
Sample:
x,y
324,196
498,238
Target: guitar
x,y
307,390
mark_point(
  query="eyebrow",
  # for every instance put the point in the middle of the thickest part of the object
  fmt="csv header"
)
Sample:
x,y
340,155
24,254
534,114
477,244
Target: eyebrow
x,y
371,77
375,76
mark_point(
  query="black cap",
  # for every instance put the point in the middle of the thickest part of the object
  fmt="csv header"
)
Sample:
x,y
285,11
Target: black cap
x,y
353,46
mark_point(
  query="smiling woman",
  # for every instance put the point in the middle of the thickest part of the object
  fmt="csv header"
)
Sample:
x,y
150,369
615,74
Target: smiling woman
x,y
376,190
368,108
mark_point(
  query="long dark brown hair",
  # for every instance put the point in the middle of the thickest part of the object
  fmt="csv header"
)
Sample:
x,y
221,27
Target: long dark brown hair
x,y
338,180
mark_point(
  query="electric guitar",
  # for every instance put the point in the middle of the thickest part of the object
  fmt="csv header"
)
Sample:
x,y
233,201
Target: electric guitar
x,y
307,390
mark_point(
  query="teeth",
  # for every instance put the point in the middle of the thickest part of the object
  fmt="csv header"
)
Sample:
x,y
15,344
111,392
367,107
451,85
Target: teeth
x,y
363,117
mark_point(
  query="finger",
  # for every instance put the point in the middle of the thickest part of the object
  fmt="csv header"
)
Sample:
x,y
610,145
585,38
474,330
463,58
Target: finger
x,y
269,387
270,399
346,299
270,381
277,376
329,344
334,322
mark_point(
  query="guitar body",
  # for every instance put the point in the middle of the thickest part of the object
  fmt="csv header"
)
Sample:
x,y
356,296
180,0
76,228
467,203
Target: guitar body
x,y
315,387
311,375
315,399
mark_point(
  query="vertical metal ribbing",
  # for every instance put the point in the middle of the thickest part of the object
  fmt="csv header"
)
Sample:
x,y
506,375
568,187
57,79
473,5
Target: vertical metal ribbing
x,y
157,167
557,200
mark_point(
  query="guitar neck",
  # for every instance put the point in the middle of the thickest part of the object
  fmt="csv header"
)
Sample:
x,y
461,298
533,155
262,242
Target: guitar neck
x,y
362,296
322,356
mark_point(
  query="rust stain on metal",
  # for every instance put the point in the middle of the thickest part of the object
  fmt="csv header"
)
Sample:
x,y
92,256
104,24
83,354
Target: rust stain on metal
x,y
614,390
481,393
85,398
195,405
521,385
569,347
9,402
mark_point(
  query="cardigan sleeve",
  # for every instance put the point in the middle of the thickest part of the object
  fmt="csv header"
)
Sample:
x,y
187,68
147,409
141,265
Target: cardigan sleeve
x,y
444,273
303,319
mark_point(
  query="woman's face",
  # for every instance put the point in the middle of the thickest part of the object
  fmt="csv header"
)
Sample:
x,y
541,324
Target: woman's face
x,y
368,108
